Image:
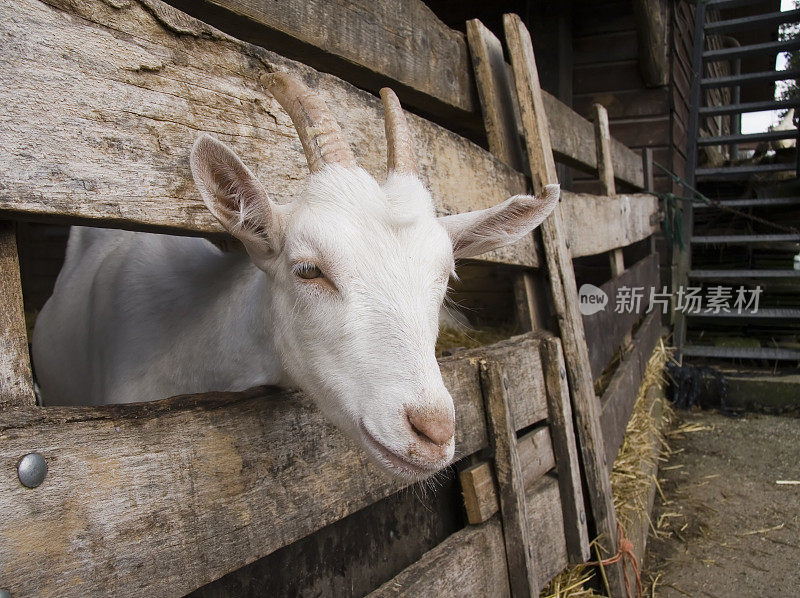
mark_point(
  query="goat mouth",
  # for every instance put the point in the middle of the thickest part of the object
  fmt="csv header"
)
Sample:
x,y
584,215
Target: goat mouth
x,y
398,462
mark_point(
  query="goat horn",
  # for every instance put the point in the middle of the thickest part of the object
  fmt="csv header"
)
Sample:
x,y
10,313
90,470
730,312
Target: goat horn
x,y
320,134
400,155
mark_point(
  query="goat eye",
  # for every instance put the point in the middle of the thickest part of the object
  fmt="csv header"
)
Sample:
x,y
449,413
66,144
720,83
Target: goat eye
x,y
308,271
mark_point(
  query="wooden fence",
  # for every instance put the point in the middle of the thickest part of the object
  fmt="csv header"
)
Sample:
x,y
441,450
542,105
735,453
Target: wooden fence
x,y
102,101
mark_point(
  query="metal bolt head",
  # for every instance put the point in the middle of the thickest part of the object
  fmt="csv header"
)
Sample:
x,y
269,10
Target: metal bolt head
x,y
563,373
583,517
4,593
31,470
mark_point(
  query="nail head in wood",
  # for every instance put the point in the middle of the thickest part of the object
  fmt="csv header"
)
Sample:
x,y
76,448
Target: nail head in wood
x,y
31,470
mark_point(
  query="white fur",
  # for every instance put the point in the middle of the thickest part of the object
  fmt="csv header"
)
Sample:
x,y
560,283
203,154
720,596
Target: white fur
x,y
138,316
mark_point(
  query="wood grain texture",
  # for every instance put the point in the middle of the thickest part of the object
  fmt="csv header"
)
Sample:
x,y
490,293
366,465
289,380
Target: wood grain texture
x,y
127,90
576,531
605,330
522,568
596,223
602,144
519,356
162,498
471,562
495,93
16,381
479,492
620,396
652,27
562,283
386,43
572,142
535,453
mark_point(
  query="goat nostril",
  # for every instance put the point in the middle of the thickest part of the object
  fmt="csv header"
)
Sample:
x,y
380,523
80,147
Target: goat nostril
x,y
437,429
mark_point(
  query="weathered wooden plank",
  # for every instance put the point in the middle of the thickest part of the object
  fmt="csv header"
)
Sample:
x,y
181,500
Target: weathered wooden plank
x,y
619,397
602,143
546,527
572,142
563,288
519,357
596,224
479,493
652,22
535,452
495,93
606,329
426,62
471,562
126,90
522,568
162,498
16,381
566,453
370,44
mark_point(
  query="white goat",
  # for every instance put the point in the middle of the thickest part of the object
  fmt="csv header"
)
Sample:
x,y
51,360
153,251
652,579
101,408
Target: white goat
x,y
340,296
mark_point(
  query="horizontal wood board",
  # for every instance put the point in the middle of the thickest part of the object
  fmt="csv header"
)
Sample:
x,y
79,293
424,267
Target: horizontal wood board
x,y
126,91
620,396
606,329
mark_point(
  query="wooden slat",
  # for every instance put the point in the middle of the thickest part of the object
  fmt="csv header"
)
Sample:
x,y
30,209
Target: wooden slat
x,y
162,498
620,396
495,93
566,453
522,569
479,492
126,90
606,329
399,43
519,356
596,224
572,142
426,62
536,457
562,279
16,382
602,143
471,561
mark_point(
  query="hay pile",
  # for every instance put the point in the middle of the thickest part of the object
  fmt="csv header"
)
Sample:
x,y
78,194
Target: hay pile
x,y
451,338
631,477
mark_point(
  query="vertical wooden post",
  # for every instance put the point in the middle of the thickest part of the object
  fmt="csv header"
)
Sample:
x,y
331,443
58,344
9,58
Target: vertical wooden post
x,y
522,572
496,97
563,436
605,171
16,381
586,405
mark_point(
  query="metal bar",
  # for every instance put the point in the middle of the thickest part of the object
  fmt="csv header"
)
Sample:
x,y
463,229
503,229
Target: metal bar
x,y
766,20
768,313
748,137
684,257
737,274
759,77
786,45
736,119
738,239
726,4
740,172
742,352
749,107
755,202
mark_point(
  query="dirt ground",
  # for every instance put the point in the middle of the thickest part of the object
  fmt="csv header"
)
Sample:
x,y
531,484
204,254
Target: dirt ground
x,y
726,527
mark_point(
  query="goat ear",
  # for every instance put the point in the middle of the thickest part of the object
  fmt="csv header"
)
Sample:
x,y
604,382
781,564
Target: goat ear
x,y
473,233
235,197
